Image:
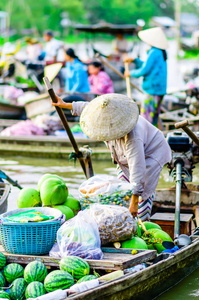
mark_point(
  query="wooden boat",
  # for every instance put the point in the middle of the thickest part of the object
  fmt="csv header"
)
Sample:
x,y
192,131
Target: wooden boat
x,y
11,111
4,193
162,272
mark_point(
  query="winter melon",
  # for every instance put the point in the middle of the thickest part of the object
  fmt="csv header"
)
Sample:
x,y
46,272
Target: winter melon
x,y
28,197
135,243
73,204
65,210
47,176
53,192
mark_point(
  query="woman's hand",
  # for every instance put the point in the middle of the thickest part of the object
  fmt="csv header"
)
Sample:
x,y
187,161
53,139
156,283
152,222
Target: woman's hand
x,y
134,205
127,73
60,103
128,59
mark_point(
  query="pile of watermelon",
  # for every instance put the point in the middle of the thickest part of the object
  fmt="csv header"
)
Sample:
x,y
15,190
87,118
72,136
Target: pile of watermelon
x,y
51,192
151,238
34,280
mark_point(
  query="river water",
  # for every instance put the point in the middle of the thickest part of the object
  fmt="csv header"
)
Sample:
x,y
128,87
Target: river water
x,y
28,170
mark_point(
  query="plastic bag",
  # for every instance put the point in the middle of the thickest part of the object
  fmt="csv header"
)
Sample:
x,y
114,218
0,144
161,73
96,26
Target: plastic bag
x,y
115,223
105,189
79,236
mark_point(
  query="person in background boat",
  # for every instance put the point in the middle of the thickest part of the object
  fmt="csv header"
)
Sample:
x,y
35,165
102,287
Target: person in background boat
x,y
100,82
75,73
8,61
154,73
137,147
34,49
54,50
120,44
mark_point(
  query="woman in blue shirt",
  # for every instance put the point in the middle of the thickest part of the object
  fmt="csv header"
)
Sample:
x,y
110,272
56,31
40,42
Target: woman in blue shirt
x,y
154,72
76,76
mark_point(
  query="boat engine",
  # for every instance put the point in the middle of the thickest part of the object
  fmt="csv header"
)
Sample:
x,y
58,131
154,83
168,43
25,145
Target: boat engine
x,y
183,151
184,155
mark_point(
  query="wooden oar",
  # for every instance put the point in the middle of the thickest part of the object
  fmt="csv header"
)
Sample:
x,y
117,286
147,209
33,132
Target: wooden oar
x,y
10,180
183,125
87,171
116,71
128,83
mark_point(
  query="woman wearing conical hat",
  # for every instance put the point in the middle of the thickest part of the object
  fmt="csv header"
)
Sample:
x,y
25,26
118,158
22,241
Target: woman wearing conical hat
x,y
153,71
137,147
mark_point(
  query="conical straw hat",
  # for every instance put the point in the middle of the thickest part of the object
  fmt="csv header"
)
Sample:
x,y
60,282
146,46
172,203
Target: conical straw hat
x,y
154,37
51,71
109,117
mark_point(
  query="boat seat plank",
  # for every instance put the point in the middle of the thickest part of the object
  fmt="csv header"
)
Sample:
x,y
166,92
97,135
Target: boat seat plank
x,y
171,217
111,261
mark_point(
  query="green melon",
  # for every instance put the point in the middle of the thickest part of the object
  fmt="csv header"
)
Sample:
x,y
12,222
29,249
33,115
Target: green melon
x,y
135,243
47,176
4,295
65,210
76,266
53,192
162,236
35,271
2,280
28,197
150,225
87,278
17,291
2,260
58,280
12,272
34,290
73,204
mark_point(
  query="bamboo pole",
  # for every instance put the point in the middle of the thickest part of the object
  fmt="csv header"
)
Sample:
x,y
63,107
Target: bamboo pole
x,y
128,85
116,71
79,154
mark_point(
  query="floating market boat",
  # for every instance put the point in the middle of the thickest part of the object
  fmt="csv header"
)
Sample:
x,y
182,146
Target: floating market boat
x,y
4,193
11,111
161,273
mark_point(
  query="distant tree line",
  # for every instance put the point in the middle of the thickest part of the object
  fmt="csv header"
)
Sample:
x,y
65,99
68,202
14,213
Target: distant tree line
x,y
41,15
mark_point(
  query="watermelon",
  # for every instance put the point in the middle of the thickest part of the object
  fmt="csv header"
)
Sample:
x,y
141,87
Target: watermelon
x,y
2,280
65,210
73,204
17,291
35,271
12,272
2,260
28,197
75,265
87,278
135,243
47,176
53,192
58,280
34,290
3,295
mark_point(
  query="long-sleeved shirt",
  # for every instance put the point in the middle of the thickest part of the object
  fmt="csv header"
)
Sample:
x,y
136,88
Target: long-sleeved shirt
x,y
145,143
154,72
101,83
76,77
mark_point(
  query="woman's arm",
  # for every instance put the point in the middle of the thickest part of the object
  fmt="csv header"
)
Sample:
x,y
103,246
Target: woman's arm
x,y
146,67
60,103
76,107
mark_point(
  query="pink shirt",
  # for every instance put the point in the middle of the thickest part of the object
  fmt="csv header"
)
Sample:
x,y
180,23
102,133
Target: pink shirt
x,y
101,83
